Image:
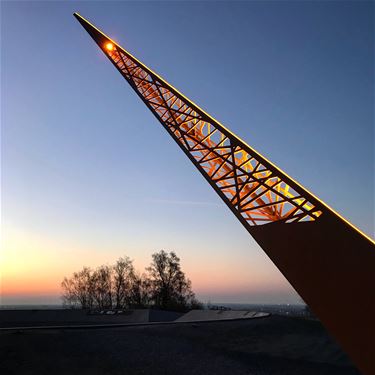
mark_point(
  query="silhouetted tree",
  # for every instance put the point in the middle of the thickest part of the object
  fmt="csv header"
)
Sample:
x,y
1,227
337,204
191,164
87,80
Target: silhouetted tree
x,y
123,275
170,289
120,286
102,287
78,290
139,291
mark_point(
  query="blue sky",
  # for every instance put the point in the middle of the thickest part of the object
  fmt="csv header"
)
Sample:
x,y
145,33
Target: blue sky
x,y
89,175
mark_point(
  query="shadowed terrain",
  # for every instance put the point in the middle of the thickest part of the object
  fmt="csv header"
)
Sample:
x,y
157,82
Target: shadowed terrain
x,y
269,346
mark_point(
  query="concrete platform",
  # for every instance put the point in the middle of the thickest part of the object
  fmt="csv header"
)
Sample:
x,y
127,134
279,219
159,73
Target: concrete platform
x,y
202,315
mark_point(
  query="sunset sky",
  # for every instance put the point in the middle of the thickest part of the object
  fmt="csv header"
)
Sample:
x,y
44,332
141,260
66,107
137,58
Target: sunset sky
x,y
89,175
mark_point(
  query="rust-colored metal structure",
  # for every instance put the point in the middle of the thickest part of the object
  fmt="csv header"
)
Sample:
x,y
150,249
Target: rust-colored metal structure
x,y
329,262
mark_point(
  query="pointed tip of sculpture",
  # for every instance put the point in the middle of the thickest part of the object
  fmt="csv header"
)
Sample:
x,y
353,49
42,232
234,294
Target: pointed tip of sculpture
x,y
78,16
100,38
83,21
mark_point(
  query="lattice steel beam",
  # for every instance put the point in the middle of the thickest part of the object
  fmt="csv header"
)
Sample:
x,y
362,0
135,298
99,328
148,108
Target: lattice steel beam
x,y
326,259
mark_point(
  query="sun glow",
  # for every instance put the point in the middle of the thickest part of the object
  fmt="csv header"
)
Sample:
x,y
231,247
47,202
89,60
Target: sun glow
x,y
35,264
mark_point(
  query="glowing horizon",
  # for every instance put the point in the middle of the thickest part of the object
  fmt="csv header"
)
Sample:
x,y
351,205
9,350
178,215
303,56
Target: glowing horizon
x,y
31,279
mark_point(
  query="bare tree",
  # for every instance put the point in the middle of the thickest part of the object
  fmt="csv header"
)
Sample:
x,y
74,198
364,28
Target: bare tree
x,y
139,291
102,287
120,286
170,289
123,274
78,290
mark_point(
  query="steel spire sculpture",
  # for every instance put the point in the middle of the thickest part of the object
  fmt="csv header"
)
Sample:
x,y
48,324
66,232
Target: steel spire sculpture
x,y
327,260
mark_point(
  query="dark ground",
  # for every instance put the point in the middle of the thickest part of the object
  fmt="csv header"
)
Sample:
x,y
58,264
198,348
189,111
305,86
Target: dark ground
x,y
266,346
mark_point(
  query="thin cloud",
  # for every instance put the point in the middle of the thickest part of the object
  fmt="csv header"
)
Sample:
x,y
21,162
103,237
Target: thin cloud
x,y
185,203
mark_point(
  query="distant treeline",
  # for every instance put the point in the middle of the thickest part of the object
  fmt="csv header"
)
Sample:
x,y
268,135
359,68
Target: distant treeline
x,y
119,286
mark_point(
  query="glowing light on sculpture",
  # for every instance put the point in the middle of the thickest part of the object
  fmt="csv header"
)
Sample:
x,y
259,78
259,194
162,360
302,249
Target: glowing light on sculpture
x,y
109,46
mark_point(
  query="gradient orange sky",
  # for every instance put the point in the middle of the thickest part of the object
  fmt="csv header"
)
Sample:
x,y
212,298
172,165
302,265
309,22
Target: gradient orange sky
x,y
33,266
